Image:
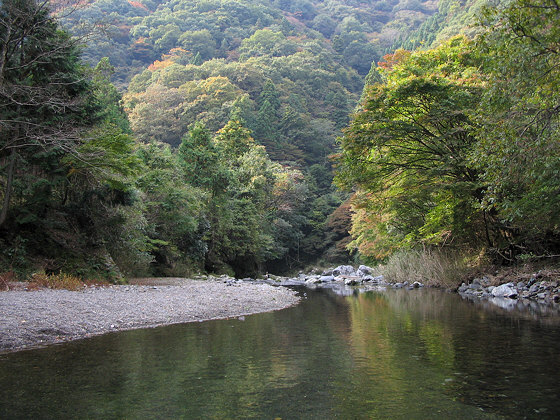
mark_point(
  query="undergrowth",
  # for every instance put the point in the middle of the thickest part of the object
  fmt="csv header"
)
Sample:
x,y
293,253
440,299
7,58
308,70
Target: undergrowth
x,y
61,281
5,280
430,267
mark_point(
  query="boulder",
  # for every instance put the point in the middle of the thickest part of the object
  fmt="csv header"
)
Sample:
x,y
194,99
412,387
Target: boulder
x,y
505,290
326,279
364,270
343,270
417,284
313,280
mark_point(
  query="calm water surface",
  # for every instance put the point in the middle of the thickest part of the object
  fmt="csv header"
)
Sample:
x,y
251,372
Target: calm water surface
x,y
404,355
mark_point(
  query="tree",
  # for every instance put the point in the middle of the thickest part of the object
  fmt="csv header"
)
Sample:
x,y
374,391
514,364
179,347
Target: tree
x,y
109,100
407,149
199,43
518,152
174,210
44,99
199,157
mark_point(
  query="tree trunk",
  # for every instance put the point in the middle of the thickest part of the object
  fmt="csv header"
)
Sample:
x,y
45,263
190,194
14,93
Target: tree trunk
x,y
9,185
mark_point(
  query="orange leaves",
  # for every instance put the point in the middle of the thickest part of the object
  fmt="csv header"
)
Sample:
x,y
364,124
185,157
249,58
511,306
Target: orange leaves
x,y
138,5
392,60
158,65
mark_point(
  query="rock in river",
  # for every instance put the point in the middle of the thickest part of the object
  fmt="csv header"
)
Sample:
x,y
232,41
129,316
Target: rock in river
x,y
343,270
505,290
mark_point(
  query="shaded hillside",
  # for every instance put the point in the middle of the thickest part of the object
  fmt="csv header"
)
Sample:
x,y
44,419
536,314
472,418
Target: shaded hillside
x,y
453,17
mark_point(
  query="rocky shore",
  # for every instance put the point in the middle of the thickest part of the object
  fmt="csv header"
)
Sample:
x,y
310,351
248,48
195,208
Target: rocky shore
x,y
41,317
343,280
539,288
534,291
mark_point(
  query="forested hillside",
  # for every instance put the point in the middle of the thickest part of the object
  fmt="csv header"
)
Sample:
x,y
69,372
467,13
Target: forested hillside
x,y
456,147
214,150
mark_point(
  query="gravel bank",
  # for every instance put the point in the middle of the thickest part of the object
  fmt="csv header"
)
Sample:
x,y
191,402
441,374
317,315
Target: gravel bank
x,y
41,317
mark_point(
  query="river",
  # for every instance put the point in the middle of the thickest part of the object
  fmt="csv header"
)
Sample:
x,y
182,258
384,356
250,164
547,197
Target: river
x,y
420,354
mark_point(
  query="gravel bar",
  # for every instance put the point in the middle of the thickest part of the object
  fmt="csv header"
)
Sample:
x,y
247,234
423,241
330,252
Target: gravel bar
x,y
37,318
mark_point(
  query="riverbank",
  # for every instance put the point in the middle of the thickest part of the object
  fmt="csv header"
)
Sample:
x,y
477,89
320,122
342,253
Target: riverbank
x,y
41,317
507,288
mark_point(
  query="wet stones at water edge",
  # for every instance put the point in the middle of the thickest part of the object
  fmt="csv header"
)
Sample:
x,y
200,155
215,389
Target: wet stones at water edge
x,y
543,291
345,274
343,280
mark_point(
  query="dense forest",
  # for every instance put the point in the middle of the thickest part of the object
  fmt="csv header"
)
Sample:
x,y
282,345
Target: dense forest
x,y
171,137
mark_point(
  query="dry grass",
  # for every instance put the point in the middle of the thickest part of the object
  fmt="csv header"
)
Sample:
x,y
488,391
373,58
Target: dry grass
x,y
432,268
5,280
60,281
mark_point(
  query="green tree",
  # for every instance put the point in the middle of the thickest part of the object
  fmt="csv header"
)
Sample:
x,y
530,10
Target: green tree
x,y
199,43
199,157
45,103
407,149
519,152
240,210
174,211
108,97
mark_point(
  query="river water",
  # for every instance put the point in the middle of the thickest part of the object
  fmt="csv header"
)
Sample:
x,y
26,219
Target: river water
x,y
420,354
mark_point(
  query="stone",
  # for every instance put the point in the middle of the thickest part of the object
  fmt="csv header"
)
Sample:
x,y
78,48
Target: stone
x,y
533,288
378,279
417,284
364,270
343,270
505,290
462,288
485,281
326,279
352,281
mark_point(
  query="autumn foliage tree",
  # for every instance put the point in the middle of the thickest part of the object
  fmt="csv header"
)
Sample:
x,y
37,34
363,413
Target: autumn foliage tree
x,y
407,151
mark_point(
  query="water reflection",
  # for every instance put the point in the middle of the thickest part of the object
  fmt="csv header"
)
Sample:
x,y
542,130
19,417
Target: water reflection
x,y
395,354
